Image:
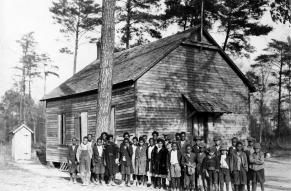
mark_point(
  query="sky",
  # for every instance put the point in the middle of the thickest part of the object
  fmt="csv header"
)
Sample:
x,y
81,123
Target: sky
x,y
18,17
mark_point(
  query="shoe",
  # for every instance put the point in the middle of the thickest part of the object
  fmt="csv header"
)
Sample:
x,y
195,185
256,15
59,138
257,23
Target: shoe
x,y
113,183
96,182
122,184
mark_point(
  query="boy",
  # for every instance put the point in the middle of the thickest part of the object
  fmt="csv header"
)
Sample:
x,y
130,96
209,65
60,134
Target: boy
x,y
84,155
257,167
126,161
223,164
72,160
189,163
140,161
199,176
249,149
209,166
111,155
98,161
239,167
174,166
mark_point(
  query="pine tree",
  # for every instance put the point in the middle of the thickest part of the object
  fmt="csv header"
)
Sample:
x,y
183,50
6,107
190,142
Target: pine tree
x,y
281,11
76,18
137,19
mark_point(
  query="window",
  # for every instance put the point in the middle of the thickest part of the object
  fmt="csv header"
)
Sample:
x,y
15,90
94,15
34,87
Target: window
x,y
62,129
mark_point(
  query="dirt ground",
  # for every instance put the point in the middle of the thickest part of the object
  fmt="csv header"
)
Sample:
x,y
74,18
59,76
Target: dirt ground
x,y
30,176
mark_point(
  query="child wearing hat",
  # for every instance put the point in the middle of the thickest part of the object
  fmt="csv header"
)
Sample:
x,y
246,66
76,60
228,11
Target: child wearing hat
x,y
209,166
223,164
257,167
199,176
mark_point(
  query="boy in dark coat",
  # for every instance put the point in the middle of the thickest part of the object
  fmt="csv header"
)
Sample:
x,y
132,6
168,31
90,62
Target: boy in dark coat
x,y
159,164
72,160
223,164
199,175
126,160
189,164
98,161
174,165
111,155
209,166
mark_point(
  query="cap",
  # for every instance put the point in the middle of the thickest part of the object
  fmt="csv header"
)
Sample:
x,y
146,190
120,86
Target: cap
x,y
223,148
216,138
202,145
251,139
257,146
211,149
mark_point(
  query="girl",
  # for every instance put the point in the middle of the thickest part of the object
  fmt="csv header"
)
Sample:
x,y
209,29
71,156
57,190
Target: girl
x,y
174,166
159,164
239,167
84,155
189,163
149,161
140,161
98,161
134,147
125,161
111,155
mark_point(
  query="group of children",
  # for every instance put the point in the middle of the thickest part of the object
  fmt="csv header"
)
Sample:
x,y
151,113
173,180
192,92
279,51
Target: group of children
x,y
163,163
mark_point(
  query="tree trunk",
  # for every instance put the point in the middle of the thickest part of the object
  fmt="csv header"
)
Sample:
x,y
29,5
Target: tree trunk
x,y
76,48
226,38
127,27
279,96
106,66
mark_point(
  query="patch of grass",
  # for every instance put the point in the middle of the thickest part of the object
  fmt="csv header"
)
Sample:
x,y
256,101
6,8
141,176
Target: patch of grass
x,y
5,153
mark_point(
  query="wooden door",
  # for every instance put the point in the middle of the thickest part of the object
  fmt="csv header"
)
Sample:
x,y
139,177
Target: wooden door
x,y
200,125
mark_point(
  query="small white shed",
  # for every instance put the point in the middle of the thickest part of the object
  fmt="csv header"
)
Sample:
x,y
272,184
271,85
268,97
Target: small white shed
x,y
21,143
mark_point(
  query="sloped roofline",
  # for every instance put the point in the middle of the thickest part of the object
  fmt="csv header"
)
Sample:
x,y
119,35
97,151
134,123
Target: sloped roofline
x,y
20,127
178,43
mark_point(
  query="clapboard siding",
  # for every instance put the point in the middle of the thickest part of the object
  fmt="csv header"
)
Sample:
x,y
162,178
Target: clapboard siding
x,y
123,99
188,70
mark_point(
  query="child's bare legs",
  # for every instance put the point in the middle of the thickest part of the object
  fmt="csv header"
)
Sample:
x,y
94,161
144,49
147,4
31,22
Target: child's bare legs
x,y
254,186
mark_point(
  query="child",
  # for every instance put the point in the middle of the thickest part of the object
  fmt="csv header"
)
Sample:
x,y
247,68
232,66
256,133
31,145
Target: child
x,y
98,161
189,163
125,161
72,160
174,166
239,167
111,155
257,167
149,161
209,169
159,164
134,146
223,164
199,176
140,161
84,155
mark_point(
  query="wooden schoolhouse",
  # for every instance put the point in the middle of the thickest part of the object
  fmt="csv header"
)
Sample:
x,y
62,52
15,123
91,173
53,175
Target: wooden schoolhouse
x,y
184,82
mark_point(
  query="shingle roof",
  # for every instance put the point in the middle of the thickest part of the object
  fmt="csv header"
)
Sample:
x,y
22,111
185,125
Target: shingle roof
x,y
206,103
129,65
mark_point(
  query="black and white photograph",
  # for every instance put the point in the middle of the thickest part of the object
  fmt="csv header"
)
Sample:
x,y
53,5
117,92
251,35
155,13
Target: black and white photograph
x,y
145,95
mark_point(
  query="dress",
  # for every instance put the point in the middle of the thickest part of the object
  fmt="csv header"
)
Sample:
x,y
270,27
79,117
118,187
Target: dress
x,y
159,162
72,159
111,153
98,159
140,160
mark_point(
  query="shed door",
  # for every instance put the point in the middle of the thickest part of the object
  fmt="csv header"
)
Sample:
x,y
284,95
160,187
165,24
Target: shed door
x,y
23,145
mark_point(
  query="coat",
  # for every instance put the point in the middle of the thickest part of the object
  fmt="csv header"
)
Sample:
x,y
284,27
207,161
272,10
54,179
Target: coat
x,y
96,158
159,161
140,160
209,163
179,157
111,154
189,163
234,161
72,159
125,155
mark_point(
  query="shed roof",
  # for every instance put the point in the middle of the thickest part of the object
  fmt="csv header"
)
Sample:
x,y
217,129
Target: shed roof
x,y
132,63
18,128
206,103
